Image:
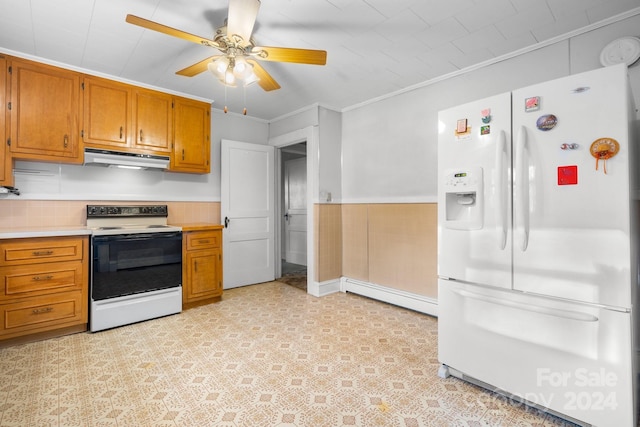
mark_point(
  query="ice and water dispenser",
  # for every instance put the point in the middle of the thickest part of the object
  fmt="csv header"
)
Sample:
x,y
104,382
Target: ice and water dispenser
x,y
464,199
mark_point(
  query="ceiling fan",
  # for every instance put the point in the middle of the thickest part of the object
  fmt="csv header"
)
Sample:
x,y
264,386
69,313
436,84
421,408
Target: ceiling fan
x,y
239,53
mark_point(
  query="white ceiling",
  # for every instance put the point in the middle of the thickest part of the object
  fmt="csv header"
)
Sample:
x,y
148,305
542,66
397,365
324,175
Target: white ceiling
x,y
375,47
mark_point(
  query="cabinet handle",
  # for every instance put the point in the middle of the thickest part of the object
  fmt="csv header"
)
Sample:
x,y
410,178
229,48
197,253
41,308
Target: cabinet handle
x,y
195,266
66,141
140,135
183,154
42,253
42,310
39,278
203,241
120,132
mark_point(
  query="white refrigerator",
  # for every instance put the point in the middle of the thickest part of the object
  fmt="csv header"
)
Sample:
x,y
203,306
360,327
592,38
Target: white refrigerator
x,y
537,247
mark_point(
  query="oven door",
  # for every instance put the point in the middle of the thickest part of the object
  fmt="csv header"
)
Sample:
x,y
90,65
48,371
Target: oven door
x,y
128,264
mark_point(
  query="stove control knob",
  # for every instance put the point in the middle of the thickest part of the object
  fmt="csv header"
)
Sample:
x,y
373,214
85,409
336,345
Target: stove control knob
x,y
103,210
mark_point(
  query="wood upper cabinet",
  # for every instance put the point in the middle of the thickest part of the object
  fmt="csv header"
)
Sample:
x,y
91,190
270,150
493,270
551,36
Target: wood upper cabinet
x,y
191,130
119,116
6,177
45,105
106,113
153,121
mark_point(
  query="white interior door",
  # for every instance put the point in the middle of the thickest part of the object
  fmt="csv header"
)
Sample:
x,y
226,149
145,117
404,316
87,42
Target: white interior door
x,y
247,208
295,200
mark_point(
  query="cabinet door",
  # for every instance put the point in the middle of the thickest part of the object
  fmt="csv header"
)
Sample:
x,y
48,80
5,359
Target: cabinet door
x,y
203,275
192,147
6,177
44,112
153,121
106,113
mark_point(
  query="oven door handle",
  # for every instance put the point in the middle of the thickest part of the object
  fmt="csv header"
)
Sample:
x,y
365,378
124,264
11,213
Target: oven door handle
x,y
139,236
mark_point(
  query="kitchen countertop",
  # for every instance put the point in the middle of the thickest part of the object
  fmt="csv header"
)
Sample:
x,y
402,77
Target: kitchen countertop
x,y
80,230
198,226
25,232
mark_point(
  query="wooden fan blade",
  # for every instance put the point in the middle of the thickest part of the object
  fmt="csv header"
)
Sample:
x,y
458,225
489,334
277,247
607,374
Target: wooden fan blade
x,y
198,67
287,54
266,82
242,18
150,25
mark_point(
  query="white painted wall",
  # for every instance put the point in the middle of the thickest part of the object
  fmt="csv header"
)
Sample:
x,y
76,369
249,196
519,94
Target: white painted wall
x,y
53,181
330,156
389,146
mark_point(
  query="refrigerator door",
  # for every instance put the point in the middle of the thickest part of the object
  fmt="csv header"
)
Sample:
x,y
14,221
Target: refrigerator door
x,y
571,358
474,202
572,212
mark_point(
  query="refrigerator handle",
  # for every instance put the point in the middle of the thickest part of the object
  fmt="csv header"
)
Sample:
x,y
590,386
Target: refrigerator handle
x,y
534,308
522,188
501,181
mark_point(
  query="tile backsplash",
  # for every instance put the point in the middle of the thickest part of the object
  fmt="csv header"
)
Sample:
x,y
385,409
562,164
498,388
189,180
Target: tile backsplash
x,y
59,213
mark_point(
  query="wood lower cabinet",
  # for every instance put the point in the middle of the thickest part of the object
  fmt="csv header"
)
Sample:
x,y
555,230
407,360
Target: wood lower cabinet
x,y
45,284
44,111
201,266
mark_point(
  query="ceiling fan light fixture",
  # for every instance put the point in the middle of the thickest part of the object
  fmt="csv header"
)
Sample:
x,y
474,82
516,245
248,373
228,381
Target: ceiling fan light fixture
x,y
251,79
219,67
229,78
242,69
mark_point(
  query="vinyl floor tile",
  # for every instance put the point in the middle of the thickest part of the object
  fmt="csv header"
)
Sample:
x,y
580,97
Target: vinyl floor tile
x,y
266,355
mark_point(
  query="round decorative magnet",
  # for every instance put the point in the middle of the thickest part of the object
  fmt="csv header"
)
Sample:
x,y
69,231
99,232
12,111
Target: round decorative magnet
x,y
547,122
603,149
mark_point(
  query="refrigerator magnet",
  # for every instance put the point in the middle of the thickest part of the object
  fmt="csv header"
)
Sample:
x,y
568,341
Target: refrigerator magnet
x,y
603,149
485,130
546,122
486,115
532,104
568,175
462,130
461,126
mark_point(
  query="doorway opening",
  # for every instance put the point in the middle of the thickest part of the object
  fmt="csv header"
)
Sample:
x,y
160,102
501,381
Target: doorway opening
x,y
293,218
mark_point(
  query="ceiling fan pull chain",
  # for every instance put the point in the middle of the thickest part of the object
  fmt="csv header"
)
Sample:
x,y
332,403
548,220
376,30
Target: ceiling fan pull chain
x,y
244,96
225,99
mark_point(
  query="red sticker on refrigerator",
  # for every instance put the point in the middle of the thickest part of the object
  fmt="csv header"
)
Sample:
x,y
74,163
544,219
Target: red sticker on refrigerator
x,y
567,175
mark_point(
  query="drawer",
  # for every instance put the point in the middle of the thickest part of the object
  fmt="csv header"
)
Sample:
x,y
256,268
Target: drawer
x,y
40,279
31,251
203,239
41,314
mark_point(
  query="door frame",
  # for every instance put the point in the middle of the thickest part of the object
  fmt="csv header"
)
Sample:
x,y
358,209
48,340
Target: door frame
x,y
310,134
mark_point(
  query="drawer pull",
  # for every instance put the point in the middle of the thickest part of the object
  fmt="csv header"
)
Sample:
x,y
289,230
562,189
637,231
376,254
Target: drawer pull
x,y
42,253
203,241
39,278
42,310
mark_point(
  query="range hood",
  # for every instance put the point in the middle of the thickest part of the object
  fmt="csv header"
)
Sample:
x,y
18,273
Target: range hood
x,y
107,158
